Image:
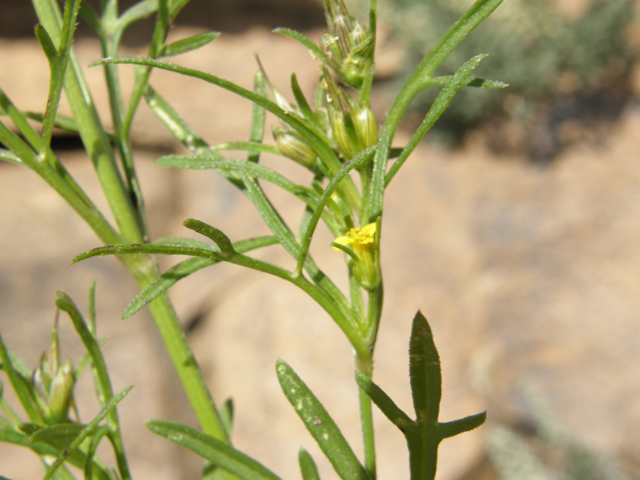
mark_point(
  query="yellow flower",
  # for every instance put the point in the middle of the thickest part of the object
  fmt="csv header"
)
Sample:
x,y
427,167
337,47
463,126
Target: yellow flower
x,y
358,237
359,244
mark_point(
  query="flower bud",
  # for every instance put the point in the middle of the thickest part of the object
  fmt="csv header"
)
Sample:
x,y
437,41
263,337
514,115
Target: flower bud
x,y
343,134
329,45
60,393
366,127
293,146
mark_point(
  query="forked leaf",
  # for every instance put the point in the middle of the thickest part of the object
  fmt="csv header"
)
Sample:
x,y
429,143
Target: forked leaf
x,y
308,467
320,425
189,44
211,449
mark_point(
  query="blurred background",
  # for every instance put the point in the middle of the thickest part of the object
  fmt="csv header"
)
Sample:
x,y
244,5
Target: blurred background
x,y
514,228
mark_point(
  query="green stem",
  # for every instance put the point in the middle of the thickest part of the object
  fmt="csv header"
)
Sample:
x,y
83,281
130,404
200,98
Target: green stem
x,y
364,365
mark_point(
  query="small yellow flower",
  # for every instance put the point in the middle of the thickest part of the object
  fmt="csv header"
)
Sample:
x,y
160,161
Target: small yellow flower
x,y
358,237
360,245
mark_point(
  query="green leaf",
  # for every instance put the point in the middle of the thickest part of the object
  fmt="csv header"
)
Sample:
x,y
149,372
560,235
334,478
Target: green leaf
x,y
86,431
58,436
49,49
320,425
237,170
186,268
213,450
7,156
188,44
312,47
462,425
21,386
150,249
384,402
224,244
254,147
303,105
308,467
441,103
257,116
226,414
424,371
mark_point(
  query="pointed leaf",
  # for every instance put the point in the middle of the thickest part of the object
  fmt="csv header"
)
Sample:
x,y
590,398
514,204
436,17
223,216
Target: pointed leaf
x,y
424,371
320,425
303,105
186,268
223,242
188,44
211,449
308,467
313,48
466,424
258,115
384,402
149,249
226,414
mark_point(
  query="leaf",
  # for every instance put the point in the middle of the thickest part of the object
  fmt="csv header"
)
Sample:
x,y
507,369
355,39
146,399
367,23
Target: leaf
x,y
58,436
224,244
211,449
424,371
186,268
188,44
86,431
308,467
258,116
462,425
440,104
313,48
236,169
150,249
320,425
384,402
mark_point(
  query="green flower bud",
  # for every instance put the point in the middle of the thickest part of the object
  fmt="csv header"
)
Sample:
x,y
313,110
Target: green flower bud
x,y
357,35
329,44
347,144
366,127
293,146
61,393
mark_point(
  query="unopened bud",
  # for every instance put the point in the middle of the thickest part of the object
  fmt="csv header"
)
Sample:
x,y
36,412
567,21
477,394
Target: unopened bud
x,y
60,393
340,131
293,146
366,127
329,45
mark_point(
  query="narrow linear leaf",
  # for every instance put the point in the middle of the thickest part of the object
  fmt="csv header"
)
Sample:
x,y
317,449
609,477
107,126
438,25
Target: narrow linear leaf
x,y
186,268
86,431
462,425
189,44
235,169
444,80
137,12
320,425
308,467
21,386
441,103
226,414
46,44
303,105
424,371
220,239
384,402
253,147
312,47
258,116
7,156
147,249
211,449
